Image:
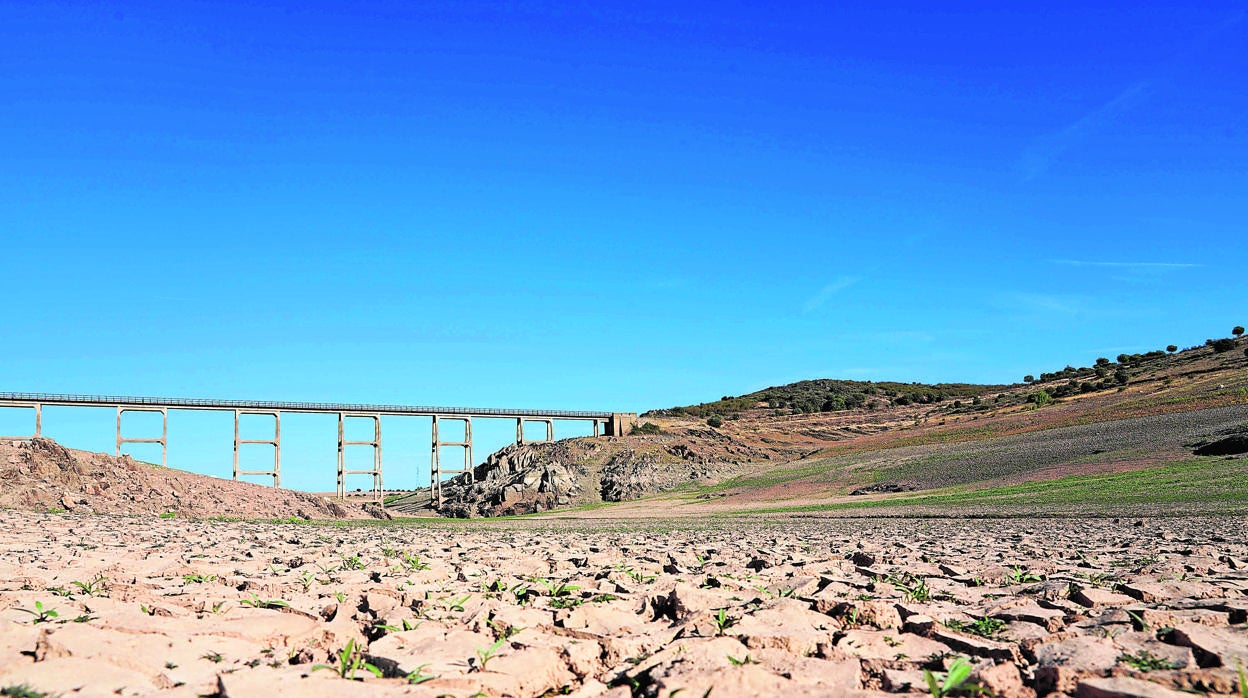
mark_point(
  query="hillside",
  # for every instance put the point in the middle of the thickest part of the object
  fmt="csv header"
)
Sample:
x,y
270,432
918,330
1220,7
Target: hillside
x,y
41,475
830,395
920,445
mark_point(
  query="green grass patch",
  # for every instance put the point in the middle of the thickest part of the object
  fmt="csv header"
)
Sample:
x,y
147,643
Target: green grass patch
x,y
1187,481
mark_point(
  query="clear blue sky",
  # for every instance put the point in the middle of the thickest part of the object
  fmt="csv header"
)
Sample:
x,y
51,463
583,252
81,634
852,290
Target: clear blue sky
x,y
539,205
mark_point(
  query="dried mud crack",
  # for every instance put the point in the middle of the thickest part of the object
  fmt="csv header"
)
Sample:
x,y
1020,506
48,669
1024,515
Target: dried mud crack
x,y
95,605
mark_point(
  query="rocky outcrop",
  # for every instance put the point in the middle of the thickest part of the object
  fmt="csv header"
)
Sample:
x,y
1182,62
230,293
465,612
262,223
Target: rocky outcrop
x,y
528,478
519,479
885,488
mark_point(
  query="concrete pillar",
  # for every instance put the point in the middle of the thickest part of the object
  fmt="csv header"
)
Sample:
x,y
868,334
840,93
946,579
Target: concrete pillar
x,y
550,430
468,462
275,442
342,475
435,467
435,470
519,430
377,481
597,428
277,449
164,438
38,420
375,442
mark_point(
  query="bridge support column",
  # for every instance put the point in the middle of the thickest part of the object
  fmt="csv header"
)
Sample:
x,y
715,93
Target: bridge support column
x,y
38,420
435,465
342,454
550,429
164,432
597,428
275,442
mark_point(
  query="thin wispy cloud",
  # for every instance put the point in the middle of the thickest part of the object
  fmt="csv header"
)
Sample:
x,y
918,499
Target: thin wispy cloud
x,y
1047,149
887,337
1040,156
825,294
1042,303
1126,265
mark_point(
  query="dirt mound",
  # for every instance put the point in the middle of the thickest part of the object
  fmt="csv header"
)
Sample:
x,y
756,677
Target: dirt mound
x,y
42,475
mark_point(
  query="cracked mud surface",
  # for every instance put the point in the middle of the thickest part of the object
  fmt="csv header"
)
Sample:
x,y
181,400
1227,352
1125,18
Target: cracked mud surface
x,y
1091,607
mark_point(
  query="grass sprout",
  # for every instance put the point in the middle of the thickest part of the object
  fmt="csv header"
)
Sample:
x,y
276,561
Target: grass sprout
x,y
954,681
350,662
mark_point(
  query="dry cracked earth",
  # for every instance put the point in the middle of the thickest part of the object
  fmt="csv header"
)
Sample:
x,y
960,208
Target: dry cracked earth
x,y
103,605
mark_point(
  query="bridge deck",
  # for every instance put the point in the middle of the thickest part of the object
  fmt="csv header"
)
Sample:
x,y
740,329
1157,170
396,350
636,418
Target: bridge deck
x,y
23,399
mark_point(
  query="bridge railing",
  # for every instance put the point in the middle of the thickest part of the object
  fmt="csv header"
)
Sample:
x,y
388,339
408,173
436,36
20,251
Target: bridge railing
x,y
202,403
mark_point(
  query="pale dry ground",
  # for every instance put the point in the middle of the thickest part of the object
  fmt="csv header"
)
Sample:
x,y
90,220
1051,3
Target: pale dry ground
x,y
1092,607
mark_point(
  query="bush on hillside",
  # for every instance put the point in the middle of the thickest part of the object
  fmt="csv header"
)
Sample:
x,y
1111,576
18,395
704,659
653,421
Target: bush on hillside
x,y
714,421
647,428
1222,345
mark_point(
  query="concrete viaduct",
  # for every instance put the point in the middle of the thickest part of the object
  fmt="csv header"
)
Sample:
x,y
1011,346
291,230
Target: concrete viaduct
x,y
605,423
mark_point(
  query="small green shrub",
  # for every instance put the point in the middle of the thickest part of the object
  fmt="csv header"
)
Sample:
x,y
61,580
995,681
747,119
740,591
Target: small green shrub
x,y
22,691
714,421
1146,661
649,428
984,627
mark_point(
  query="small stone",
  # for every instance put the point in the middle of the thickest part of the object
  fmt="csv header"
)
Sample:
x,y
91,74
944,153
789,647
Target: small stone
x,y
1124,687
1214,646
1094,597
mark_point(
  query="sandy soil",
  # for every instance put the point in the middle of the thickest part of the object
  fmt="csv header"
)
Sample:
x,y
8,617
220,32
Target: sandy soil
x,y
96,605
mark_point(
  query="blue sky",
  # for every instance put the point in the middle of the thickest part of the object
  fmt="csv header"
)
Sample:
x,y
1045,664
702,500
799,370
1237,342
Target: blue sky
x,y
609,207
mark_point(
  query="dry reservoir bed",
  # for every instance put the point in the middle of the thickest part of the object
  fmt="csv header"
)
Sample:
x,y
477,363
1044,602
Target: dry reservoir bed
x,y
135,606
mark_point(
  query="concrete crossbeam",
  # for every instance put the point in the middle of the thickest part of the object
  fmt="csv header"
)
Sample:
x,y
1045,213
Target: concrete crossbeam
x,y
164,432
275,442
